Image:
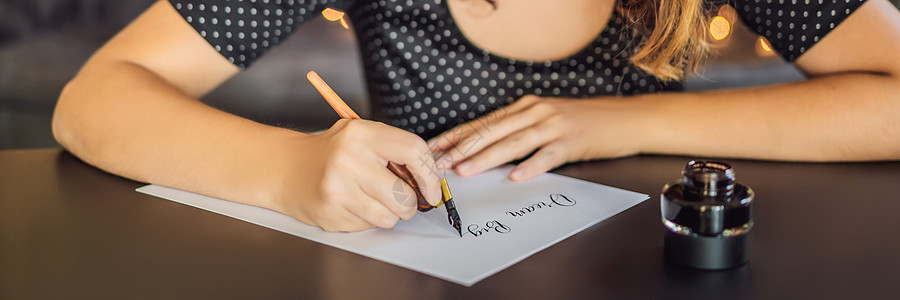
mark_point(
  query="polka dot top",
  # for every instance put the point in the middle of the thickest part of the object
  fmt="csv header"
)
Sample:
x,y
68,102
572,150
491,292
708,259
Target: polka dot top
x,y
424,76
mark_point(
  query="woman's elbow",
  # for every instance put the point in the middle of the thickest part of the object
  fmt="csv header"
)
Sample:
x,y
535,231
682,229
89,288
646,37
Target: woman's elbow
x,y
64,123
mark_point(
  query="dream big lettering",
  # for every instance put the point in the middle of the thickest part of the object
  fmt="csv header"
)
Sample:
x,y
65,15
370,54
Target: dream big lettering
x,y
557,200
495,226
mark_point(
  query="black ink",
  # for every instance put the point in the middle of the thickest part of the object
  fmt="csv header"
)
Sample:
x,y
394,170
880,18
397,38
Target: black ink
x,y
527,209
557,199
474,230
495,225
565,201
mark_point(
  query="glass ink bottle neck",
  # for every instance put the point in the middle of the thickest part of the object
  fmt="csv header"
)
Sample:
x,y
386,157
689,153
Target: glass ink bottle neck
x,y
708,180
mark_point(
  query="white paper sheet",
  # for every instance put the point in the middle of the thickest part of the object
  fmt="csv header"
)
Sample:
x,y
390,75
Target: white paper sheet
x,y
503,223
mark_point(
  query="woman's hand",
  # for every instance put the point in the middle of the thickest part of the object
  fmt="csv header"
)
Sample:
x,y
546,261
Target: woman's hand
x,y
561,130
339,180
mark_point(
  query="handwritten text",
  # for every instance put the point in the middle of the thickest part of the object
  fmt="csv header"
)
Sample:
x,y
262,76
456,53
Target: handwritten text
x,y
555,200
489,226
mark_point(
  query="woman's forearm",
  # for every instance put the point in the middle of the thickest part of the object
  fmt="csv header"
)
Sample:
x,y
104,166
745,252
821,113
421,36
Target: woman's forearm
x,y
127,120
843,117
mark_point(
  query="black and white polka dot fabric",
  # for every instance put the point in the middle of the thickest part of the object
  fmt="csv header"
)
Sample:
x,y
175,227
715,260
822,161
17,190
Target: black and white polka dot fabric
x,y
793,26
242,30
424,76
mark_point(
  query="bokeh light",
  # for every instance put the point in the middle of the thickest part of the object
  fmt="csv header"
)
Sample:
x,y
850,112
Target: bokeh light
x,y
763,48
335,15
719,28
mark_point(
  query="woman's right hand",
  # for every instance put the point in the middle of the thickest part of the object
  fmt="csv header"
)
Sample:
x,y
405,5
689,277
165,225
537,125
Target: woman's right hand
x,y
339,180
146,124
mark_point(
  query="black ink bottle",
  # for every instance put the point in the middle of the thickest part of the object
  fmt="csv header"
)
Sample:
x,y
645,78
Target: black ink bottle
x,y
707,216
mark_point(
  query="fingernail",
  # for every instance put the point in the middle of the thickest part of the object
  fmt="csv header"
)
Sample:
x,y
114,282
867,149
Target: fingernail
x,y
437,196
516,174
464,167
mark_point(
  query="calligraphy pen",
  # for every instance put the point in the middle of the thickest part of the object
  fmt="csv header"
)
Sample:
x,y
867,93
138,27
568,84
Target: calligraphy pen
x,y
401,171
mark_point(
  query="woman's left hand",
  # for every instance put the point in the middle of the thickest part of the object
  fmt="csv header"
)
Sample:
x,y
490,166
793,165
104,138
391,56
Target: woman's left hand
x,y
560,130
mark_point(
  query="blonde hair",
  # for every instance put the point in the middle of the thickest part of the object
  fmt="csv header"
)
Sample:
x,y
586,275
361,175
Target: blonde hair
x,y
674,32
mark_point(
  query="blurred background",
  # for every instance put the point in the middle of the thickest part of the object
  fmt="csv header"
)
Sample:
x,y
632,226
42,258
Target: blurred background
x,y
43,43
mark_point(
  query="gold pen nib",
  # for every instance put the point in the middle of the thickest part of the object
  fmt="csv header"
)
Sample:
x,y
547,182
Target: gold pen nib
x,y
452,215
445,190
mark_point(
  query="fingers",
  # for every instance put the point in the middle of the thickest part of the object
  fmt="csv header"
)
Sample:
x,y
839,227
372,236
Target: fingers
x,y
394,198
339,219
407,149
515,146
453,136
498,130
391,144
489,129
367,204
373,213
359,191
426,175
544,160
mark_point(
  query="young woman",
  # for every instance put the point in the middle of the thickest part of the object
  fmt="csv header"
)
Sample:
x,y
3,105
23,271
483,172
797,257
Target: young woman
x,y
566,80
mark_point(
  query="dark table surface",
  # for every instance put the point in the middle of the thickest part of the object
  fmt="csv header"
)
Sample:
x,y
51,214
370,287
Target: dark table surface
x,y
68,230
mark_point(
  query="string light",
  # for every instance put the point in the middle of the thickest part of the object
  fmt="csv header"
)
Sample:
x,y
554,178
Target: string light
x,y
765,45
335,15
719,28
763,48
